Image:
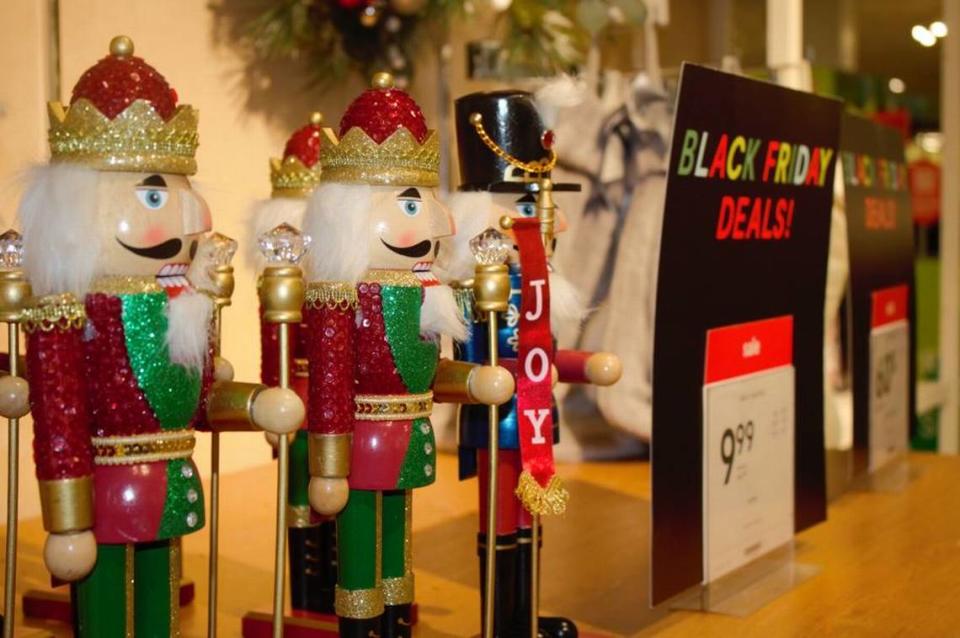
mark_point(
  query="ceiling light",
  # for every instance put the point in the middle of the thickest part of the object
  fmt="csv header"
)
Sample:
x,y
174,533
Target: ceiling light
x,y
939,29
923,35
896,85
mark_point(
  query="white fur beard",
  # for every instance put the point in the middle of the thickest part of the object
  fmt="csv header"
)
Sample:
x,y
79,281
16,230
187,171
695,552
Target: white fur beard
x,y
440,314
266,215
189,323
337,220
58,216
455,261
566,304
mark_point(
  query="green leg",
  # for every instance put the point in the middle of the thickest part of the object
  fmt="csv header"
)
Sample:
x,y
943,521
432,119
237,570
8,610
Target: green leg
x,y
103,603
157,594
397,575
358,534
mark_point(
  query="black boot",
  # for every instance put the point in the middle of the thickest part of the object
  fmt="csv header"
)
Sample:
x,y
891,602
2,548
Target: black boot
x,y
360,627
505,581
313,574
396,622
547,626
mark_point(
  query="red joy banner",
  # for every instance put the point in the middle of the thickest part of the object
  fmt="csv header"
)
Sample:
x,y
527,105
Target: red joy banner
x,y
535,355
745,348
888,305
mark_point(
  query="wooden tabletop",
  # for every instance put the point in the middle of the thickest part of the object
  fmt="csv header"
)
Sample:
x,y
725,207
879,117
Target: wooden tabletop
x,y
888,561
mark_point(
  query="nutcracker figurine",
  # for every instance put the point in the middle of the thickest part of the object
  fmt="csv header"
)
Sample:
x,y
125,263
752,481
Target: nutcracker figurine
x,y
374,314
311,538
119,342
505,155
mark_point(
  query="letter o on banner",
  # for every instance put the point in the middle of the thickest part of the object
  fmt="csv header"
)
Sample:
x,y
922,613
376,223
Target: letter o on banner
x,y
544,363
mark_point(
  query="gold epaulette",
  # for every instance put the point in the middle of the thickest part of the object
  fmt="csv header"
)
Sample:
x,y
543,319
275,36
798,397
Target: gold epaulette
x,y
54,312
331,294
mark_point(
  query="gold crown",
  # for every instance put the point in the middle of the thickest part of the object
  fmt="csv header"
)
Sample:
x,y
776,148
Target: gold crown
x,y
292,178
399,160
137,139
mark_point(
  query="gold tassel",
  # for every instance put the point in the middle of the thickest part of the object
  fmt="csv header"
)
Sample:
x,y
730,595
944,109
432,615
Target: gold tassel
x,y
551,499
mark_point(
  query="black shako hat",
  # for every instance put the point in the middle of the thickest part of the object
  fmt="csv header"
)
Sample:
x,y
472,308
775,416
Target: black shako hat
x,y
511,120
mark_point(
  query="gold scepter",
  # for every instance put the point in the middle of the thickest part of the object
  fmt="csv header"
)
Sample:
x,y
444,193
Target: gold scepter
x,y
14,291
491,291
221,274
281,296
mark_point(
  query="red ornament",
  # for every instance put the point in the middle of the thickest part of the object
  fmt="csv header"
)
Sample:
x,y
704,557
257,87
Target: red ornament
x,y
305,145
381,111
548,139
114,82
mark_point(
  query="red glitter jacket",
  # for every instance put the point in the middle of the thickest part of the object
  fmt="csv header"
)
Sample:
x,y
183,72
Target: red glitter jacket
x,y
108,402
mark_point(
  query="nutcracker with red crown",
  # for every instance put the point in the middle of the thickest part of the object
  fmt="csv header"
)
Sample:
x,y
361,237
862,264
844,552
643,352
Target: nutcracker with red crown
x,y
311,539
374,314
505,206
119,343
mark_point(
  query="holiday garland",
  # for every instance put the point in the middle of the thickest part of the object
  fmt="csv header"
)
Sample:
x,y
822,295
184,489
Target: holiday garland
x,y
336,37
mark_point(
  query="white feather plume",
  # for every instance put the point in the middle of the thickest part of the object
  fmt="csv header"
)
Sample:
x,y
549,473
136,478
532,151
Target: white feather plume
x,y
58,216
440,314
566,304
471,213
564,91
336,218
189,322
267,214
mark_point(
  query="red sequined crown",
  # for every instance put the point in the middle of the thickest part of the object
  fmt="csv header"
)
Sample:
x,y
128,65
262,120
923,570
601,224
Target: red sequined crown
x,y
298,173
383,140
123,116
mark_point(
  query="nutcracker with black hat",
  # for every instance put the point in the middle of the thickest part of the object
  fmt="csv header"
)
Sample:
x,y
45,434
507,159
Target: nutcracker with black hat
x,y
120,341
375,313
506,197
311,538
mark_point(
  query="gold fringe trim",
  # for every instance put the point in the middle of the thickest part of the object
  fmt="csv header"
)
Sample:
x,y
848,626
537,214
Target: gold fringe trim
x,y
335,295
125,285
54,312
551,499
392,278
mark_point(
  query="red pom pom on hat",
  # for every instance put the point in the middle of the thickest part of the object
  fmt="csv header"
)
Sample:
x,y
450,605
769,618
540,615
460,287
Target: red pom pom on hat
x,y
382,110
116,81
305,143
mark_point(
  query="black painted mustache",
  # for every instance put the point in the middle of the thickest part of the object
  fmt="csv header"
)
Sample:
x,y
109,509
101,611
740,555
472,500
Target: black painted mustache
x,y
166,250
417,250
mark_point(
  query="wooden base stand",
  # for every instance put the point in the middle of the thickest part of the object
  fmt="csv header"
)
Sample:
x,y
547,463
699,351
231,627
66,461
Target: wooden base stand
x,y
298,624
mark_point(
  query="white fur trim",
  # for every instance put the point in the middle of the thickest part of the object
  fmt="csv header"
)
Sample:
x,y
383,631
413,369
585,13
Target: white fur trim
x,y
61,242
266,215
563,92
566,304
440,314
189,322
336,218
471,212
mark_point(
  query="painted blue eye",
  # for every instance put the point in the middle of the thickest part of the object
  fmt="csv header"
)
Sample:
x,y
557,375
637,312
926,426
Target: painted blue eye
x,y
152,198
410,207
527,210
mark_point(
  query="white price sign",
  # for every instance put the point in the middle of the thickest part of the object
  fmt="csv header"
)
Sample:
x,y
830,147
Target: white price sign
x,y
748,438
889,376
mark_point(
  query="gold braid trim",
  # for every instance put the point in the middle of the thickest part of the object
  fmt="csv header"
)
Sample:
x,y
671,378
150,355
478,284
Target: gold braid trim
x,y
389,407
538,167
398,590
359,603
536,499
335,295
54,312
